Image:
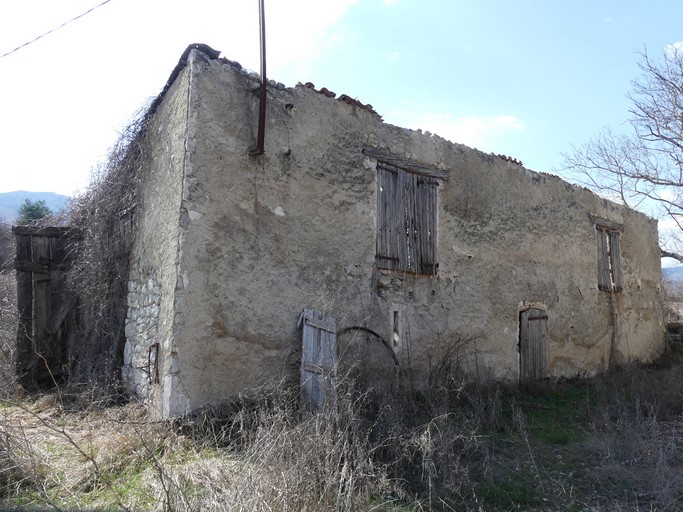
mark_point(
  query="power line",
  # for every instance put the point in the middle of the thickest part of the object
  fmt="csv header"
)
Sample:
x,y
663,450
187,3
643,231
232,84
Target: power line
x,y
54,29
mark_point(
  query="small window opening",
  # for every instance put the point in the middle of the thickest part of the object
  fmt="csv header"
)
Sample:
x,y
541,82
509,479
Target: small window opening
x,y
395,336
609,259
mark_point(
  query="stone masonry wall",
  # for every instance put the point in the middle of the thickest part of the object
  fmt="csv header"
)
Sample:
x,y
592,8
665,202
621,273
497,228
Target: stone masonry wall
x,y
150,345
142,332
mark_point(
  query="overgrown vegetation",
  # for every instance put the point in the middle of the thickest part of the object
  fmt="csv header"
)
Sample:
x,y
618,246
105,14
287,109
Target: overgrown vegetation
x,y
8,333
672,299
6,247
99,279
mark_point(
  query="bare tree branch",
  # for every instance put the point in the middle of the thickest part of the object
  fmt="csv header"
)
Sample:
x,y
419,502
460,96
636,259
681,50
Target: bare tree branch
x,y
674,255
643,168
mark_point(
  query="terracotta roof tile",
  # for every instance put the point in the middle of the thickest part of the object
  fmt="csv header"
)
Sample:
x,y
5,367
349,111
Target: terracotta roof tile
x,y
343,98
510,159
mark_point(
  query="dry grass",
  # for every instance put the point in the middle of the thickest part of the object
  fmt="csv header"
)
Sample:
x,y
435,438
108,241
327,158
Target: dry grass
x,y
612,443
113,457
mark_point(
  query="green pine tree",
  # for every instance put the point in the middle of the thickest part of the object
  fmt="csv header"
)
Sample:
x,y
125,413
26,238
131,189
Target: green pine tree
x,y
31,211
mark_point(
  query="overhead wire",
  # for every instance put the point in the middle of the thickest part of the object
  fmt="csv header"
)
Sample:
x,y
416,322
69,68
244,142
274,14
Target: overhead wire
x,y
54,29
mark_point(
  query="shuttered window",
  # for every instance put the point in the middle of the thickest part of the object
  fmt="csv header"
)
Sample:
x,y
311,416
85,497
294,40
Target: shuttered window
x,y
609,259
406,220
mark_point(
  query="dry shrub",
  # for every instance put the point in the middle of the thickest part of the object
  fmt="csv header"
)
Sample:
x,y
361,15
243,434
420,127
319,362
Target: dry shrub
x,y
8,312
635,443
99,278
636,393
402,449
387,449
672,301
8,333
432,440
7,248
294,461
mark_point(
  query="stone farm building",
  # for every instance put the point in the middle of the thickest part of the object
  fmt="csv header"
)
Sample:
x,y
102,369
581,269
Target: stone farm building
x,y
420,249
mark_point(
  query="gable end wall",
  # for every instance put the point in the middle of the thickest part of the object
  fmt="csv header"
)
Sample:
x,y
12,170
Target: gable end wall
x,y
150,368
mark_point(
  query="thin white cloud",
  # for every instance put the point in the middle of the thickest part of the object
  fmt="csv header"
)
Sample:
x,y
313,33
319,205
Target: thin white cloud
x,y
674,49
480,132
293,50
667,223
621,21
394,56
670,195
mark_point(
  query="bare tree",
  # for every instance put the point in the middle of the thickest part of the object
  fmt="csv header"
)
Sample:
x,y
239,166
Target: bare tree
x,y
643,168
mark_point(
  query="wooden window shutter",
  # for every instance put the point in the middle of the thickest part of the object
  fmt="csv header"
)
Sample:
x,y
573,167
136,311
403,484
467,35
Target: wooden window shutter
x,y
406,221
609,260
318,360
390,220
615,259
409,185
426,214
604,279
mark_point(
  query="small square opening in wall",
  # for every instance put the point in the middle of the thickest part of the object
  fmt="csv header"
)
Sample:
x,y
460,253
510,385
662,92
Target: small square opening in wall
x,y
395,330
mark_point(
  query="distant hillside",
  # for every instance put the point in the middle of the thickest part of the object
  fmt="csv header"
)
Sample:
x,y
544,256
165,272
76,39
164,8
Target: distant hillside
x,y
673,274
11,201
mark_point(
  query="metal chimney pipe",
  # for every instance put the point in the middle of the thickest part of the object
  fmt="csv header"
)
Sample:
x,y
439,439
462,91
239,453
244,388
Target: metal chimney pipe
x,y
264,81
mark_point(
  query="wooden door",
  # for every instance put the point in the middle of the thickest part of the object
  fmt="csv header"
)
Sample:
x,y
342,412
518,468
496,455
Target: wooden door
x,y
533,345
318,360
47,323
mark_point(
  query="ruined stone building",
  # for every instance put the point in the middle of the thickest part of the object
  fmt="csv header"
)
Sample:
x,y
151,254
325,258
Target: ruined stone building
x,y
420,249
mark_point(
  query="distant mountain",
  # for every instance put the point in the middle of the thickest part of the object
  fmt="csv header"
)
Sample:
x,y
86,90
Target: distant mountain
x,y
11,201
673,274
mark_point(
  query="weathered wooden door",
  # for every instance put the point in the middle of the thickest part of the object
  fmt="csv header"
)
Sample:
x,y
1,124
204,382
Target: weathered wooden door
x,y
46,317
533,345
318,360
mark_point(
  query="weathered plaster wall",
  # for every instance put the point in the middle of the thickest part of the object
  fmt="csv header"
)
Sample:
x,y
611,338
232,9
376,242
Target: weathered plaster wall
x,y
154,257
262,237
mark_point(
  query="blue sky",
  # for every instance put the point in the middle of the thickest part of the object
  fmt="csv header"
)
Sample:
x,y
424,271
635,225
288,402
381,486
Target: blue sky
x,y
522,78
